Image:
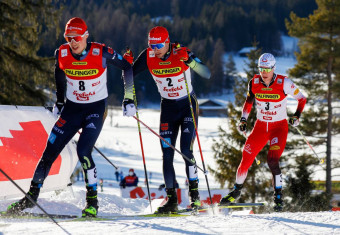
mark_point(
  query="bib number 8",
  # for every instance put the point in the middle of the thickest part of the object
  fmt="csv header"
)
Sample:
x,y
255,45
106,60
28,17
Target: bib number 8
x,y
81,85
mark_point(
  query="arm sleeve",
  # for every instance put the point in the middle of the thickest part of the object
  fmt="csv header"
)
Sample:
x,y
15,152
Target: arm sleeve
x,y
140,63
60,79
290,88
196,64
118,61
248,104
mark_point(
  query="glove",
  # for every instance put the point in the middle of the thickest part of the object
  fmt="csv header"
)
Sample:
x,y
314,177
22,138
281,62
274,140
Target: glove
x,y
161,187
57,109
294,121
128,56
128,107
242,126
182,52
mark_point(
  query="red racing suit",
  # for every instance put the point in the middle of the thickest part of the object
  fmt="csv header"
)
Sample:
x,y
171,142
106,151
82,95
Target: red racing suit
x,y
271,125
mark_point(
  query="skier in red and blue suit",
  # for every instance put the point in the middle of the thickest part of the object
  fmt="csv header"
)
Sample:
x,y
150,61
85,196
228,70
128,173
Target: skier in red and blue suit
x,y
167,62
81,67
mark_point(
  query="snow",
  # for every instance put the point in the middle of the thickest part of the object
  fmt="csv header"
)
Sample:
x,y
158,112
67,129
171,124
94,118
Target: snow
x,y
120,143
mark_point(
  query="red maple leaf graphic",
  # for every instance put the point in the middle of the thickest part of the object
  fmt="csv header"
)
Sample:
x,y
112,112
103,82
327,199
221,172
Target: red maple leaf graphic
x,y
20,155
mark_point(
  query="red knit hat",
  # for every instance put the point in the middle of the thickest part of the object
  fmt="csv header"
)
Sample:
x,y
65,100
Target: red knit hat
x,y
75,25
157,35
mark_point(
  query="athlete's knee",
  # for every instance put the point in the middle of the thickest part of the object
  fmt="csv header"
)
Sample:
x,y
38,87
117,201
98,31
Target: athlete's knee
x,y
168,159
86,161
188,153
49,156
274,166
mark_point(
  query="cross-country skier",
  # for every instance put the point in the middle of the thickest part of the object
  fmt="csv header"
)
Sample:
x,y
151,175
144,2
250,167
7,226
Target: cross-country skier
x,y
269,90
167,62
82,66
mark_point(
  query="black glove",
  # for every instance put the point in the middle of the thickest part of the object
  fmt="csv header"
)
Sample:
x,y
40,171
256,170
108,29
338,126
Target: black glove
x,y
294,121
57,108
128,107
242,126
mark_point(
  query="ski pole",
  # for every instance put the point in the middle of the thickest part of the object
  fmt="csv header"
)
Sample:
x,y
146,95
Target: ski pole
x,y
35,203
198,139
102,154
320,159
258,162
142,149
170,145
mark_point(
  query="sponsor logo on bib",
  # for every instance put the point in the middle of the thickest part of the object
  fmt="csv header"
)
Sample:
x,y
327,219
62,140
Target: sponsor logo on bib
x,y
266,89
165,63
166,71
79,63
267,96
81,72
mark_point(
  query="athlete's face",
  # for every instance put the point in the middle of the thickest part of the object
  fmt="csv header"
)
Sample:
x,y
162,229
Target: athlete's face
x,y
78,47
266,75
159,53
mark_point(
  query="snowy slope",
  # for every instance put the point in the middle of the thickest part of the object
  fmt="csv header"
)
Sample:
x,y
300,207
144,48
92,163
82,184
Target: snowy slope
x,y
120,143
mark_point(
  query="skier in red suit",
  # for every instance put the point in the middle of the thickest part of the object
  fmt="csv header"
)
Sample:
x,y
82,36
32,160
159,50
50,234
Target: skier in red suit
x,y
269,90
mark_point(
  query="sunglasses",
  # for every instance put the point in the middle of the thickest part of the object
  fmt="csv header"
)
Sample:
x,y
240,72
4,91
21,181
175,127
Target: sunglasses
x,y
158,46
75,38
267,70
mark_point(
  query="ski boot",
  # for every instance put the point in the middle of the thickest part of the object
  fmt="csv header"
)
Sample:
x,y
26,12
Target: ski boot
x,y
22,204
194,194
171,206
278,200
232,196
91,208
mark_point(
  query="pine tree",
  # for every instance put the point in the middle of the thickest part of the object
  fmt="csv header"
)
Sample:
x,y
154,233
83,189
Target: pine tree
x,y
318,67
228,148
230,73
23,73
300,188
216,67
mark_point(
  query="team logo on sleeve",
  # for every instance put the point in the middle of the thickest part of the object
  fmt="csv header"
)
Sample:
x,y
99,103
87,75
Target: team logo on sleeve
x,y
296,91
63,52
95,51
151,54
279,81
256,81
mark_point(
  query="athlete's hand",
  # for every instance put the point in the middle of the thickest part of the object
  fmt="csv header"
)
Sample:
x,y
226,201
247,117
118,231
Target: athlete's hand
x,y
57,109
128,55
242,126
182,52
294,121
128,107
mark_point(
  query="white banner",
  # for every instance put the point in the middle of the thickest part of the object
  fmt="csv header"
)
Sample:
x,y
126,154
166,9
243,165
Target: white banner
x,y
23,135
182,194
